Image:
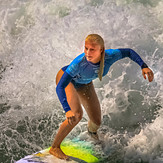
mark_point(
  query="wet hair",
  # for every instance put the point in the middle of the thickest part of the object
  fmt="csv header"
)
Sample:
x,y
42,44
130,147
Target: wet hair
x,y
97,39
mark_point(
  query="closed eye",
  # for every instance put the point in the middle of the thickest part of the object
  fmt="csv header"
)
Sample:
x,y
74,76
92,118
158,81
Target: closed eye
x,y
90,49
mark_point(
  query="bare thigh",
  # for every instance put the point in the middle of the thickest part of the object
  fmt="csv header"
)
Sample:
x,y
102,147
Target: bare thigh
x,y
72,96
90,102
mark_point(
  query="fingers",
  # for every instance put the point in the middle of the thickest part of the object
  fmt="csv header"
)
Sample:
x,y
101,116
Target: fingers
x,y
144,75
70,117
150,76
71,120
149,73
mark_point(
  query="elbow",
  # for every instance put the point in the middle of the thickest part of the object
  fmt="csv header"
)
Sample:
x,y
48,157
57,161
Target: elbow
x,y
131,50
59,88
131,53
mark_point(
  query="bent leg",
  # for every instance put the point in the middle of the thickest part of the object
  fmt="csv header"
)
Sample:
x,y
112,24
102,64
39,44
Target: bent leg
x,y
65,128
91,104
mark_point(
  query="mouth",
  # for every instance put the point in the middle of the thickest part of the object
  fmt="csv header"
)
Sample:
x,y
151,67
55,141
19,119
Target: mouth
x,y
89,57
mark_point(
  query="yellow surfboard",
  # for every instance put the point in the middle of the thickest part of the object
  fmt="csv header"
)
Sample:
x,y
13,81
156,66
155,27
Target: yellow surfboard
x,y
77,150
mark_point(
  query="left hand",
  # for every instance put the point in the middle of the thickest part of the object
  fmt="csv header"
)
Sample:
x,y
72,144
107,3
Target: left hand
x,y
149,73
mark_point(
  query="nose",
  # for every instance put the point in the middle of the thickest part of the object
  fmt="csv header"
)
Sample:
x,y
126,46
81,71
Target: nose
x,y
88,52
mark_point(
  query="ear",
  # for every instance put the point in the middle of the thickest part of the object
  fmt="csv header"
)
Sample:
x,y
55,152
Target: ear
x,y
102,49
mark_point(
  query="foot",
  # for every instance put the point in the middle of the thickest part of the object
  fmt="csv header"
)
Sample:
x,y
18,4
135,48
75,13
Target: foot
x,y
94,135
57,152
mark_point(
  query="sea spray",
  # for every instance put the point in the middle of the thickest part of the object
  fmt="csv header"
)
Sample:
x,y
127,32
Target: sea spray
x,y
37,38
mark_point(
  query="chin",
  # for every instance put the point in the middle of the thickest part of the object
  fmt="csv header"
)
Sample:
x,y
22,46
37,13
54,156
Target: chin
x,y
89,59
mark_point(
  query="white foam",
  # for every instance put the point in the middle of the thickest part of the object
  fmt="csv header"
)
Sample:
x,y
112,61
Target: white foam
x,y
40,37
148,144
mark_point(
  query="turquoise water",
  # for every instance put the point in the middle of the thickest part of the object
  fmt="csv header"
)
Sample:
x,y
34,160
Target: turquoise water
x,y
37,38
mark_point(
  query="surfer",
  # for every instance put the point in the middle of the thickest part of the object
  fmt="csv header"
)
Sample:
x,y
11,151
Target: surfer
x,y
75,86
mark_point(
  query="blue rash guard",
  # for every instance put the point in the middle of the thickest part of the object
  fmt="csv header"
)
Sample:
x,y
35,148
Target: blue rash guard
x,y
81,72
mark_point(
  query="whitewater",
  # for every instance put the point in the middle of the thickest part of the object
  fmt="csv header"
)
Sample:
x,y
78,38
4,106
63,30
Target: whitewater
x,y
37,38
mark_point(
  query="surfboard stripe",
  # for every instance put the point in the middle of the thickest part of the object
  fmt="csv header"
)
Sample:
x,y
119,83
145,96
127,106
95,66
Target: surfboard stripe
x,y
77,150
83,150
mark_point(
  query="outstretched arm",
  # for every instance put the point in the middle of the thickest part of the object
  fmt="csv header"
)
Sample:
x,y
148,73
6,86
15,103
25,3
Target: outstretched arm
x,y
136,58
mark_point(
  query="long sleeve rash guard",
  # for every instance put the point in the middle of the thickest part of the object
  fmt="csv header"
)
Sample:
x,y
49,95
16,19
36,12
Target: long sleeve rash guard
x,y
82,71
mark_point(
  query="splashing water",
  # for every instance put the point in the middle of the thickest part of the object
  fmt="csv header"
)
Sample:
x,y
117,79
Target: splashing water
x,y
37,38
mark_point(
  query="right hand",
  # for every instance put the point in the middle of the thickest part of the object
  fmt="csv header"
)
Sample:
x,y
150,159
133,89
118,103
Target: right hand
x,y
70,117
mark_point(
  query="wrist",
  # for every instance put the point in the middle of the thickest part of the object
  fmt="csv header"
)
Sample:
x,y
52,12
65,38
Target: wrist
x,y
144,65
67,109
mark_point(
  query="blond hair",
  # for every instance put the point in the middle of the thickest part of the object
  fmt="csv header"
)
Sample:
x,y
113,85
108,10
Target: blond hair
x,y
95,38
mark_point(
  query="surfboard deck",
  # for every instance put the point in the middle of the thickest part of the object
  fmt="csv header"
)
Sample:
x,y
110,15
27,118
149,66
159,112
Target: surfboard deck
x,y
77,150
